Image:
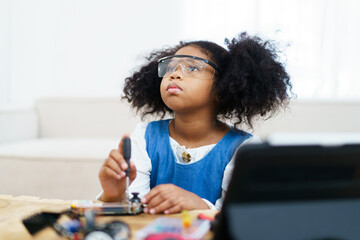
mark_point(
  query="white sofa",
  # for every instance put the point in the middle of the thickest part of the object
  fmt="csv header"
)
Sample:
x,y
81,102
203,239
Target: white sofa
x,y
55,149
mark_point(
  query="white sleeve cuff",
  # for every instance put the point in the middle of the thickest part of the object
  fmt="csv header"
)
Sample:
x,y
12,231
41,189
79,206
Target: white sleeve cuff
x,y
210,205
99,196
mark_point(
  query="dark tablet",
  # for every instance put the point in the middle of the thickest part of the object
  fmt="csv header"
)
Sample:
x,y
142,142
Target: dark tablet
x,y
293,192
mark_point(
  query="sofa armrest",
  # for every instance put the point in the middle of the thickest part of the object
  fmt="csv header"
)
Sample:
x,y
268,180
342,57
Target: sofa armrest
x,y
307,116
18,124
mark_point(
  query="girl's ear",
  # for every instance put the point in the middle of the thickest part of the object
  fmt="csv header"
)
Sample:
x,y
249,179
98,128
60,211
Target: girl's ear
x,y
217,100
214,93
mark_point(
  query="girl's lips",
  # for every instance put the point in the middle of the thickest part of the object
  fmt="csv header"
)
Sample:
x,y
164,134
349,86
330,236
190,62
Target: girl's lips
x,y
173,88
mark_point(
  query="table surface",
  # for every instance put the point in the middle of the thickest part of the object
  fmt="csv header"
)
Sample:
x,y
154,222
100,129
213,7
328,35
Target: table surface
x,y
14,209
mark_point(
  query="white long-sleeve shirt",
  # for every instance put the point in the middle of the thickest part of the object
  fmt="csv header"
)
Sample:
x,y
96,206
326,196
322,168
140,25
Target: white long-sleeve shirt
x,y
139,156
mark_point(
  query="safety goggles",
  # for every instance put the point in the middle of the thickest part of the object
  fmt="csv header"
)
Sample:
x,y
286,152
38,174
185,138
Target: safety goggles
x,y
190,66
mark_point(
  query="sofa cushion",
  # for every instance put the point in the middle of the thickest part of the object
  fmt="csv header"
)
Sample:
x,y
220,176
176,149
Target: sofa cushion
x,y
54,168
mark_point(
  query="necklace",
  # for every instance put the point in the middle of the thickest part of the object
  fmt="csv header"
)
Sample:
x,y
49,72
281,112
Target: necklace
x,y
186,157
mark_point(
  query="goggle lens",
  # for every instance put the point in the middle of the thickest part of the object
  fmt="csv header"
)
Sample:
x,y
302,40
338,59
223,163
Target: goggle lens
x,y
190,67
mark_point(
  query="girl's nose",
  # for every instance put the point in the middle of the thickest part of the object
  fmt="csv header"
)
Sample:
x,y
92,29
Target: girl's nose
x,y
177,73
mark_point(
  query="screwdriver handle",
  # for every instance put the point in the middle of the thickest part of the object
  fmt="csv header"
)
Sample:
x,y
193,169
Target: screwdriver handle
x,y
127,153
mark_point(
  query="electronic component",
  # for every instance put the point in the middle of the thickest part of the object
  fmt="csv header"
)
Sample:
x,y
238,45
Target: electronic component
x,y
173,228
74,228
132,207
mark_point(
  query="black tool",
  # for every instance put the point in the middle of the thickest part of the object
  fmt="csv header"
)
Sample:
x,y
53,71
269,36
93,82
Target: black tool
x,y
127,155
39,221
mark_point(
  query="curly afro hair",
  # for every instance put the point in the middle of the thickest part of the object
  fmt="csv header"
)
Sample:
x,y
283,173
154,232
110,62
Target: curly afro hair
x,y
252,81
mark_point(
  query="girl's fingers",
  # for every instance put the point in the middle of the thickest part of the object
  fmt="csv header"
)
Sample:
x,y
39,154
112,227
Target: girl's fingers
x,y
150,195
158,195
161,207
112,164
119,159
120,148
155,201
110,172
173,209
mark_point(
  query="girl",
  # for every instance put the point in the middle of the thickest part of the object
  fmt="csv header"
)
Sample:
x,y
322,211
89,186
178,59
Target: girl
x,y
185,162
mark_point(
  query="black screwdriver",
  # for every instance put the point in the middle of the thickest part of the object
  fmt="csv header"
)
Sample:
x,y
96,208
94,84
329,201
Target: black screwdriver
x,y
127,155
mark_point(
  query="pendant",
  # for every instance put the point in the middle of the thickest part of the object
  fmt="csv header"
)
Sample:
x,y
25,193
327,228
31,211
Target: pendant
x,y
186,157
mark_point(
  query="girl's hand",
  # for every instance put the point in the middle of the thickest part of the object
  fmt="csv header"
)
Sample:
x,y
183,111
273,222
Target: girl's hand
x,y
112,175
168,198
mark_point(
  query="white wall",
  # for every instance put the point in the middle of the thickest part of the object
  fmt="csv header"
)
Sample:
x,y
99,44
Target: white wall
x,y
5,50
319,39
87,47
79,48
